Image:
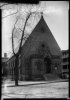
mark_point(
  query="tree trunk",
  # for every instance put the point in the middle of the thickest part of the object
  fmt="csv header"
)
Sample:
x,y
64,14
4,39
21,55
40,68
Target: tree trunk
x,y
16,70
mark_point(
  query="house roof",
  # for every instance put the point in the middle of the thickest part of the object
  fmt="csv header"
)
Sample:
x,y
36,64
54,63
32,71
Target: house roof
x,y
65,51
4,59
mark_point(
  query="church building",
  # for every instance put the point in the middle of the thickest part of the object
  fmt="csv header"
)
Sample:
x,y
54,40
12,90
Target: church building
x,y
40,54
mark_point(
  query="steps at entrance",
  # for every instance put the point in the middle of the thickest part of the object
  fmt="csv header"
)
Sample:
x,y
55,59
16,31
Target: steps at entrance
x,y
38,78
51,77
46,77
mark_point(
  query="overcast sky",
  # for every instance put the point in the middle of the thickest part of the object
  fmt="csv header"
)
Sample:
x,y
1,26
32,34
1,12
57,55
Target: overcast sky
x,y
56,18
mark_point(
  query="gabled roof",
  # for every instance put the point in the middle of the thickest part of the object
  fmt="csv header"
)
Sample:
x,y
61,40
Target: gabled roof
x,y
40,24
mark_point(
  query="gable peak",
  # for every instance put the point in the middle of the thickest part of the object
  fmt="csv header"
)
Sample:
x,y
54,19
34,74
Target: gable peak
x,y
42,18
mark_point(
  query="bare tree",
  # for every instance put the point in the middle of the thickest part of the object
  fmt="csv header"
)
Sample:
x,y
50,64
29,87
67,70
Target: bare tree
x,y
29,13
23,36
20,45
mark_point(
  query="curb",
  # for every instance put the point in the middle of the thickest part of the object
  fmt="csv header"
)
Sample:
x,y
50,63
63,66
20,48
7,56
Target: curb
x,y
46,82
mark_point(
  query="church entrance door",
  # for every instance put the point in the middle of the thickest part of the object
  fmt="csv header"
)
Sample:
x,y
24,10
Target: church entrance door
x,y
47,63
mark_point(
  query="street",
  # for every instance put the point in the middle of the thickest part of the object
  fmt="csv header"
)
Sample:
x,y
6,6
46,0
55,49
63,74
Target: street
x,y
47,90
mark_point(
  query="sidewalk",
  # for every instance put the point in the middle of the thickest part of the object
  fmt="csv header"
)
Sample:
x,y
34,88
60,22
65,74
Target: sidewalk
x,y
35,89
26,83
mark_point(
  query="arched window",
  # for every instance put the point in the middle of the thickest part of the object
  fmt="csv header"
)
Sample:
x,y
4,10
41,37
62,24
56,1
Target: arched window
x,y
56,63
38,64
42,49
42,29
43,45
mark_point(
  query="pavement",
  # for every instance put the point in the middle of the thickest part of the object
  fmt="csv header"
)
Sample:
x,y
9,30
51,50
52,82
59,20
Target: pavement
x,y
35,89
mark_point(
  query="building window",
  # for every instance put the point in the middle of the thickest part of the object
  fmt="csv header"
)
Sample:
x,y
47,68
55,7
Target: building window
x,y
65,67
43,45
42,49
14,63
56,65
9,65
19,61
10,71
38,64
42,30
65,60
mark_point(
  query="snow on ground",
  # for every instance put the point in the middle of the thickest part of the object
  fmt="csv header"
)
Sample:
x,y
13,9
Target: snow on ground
x,y
48,90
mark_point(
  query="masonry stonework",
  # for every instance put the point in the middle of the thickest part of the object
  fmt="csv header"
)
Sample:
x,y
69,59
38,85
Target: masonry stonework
x,y
40,54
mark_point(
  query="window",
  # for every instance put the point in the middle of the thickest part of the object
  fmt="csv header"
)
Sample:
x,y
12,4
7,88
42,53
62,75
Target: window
x,y
56,63
65,67
38,64
19,60
4,64
14,63
43,45
9,65
42,29
65,60
68,58
42,49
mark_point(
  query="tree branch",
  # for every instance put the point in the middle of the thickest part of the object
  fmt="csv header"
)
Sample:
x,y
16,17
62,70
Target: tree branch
x,y
10,14
12,37
4,5
20,29
23,31
28,16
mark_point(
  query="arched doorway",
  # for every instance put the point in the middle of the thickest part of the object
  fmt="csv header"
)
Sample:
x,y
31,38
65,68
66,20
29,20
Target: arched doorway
x,y
47,63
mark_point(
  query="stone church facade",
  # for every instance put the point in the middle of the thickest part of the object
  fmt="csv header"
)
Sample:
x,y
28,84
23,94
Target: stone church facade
x,y
40,54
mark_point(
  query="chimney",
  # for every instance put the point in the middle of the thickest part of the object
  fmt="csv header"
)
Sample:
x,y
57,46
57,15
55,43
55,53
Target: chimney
x,y
5,55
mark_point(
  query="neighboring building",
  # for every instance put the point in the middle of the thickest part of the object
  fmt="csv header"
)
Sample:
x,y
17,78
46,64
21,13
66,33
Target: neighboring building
x,y
4,63
11,65
40,54
65,61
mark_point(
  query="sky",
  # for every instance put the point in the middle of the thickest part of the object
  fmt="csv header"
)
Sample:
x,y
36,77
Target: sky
x,y
56,17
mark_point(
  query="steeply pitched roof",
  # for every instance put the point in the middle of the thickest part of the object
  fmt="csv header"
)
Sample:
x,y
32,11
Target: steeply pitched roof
x,y
40,24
